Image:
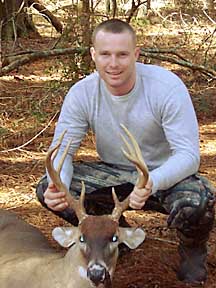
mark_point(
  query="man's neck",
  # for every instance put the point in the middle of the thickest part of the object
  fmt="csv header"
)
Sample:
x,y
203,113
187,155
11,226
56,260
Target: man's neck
x,y
121,91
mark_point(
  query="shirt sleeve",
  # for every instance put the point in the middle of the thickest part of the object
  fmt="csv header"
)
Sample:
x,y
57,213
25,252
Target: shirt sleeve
x,y
180,126
72,119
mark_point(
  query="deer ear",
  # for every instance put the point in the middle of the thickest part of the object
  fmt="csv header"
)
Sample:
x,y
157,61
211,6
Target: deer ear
x,y
65,236
132,237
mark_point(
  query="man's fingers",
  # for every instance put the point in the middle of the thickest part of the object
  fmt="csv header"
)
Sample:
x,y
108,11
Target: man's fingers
x,y
51,185
54,199
137,202
53,195
138,197
56,204
141,192
60,206
136,205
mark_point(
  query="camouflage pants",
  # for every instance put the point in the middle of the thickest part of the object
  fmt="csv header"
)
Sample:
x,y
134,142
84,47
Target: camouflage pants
x,y
189,204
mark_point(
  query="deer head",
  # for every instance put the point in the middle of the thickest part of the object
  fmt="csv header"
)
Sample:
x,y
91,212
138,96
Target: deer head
x,y
97,237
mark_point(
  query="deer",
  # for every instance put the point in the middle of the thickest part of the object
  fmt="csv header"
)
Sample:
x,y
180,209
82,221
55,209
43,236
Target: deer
x,y
29,261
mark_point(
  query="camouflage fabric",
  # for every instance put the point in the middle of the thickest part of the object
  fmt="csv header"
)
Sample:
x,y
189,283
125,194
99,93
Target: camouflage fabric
x,y
190,205
98,175
181,201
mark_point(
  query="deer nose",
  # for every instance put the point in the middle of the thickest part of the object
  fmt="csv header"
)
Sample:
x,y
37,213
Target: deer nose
x,y
96,273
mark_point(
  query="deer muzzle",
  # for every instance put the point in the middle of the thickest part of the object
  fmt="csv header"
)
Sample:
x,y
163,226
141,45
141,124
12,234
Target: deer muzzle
x,y
98,274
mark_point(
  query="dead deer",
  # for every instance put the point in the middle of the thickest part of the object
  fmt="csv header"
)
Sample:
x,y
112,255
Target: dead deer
x,y
27,259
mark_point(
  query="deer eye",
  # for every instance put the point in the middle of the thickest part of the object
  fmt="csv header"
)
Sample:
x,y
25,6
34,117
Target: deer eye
x,y
114,238
82,239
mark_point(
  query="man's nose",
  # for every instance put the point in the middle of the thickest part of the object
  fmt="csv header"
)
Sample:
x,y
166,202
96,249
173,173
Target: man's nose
x,y
114,61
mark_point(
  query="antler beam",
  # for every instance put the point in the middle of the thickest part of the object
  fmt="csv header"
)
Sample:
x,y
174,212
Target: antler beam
x,y
134,155
76,205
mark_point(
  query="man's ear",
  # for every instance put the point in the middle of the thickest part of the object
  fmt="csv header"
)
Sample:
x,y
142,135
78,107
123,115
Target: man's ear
x,y
92,51
137,53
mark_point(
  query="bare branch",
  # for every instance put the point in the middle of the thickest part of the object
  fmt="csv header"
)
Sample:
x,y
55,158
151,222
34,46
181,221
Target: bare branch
x,y
160,54
204,11
32,139
209,45
19,61
47,14
1,23
186,63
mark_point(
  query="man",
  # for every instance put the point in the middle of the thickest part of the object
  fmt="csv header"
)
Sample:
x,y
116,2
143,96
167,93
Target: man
x,y
155,106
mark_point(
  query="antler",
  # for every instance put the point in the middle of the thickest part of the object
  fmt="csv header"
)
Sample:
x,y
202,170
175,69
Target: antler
x,y
76,205
134,155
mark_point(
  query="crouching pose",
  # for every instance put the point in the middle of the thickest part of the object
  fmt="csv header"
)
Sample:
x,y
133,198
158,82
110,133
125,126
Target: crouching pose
x,y
155,106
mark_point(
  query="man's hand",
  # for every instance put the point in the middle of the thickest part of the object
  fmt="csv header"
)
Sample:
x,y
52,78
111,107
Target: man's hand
x,y
54,199
138,197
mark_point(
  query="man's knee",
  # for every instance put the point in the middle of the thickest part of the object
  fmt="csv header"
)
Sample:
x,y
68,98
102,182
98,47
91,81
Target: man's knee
x,y
191,204
68,214
41,188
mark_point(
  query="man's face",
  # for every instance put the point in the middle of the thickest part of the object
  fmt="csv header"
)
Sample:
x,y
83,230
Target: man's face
x,y
115,56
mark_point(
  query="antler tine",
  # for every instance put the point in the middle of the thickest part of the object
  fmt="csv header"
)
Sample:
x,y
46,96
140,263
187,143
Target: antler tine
x,y
134,155
63,156
76,205
51,155
120,207
82,198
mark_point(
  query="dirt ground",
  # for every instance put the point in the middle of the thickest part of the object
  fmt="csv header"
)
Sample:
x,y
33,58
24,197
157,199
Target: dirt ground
x,y
28,102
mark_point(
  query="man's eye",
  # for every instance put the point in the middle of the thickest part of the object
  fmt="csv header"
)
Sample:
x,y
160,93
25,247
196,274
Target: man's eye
x,y
82,239
104,53
123,54
115,238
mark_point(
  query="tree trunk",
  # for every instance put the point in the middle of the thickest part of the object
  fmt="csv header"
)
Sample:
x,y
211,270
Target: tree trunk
x,y
133,10
85,23
111,7
114,8
15,21
107,4
211,4
148,5
86,31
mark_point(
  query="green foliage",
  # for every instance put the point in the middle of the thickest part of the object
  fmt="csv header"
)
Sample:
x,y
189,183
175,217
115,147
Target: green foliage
x,y
40,116
203,105
176,27
74,67
3,131
140,22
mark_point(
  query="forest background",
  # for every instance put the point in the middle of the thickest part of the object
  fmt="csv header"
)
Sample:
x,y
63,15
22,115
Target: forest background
x,y
44,49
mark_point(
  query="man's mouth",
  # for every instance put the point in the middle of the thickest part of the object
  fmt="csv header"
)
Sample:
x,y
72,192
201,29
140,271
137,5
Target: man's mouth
x,y
114,74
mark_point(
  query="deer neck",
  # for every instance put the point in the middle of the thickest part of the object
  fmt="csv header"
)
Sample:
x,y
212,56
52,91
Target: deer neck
x,y
80,266
70,270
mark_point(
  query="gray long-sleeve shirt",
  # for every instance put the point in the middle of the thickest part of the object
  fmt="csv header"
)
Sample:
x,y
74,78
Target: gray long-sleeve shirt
x,y
158,112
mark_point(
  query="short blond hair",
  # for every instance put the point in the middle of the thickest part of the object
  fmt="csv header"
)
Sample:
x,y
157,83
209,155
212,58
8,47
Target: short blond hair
x,y
115,26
